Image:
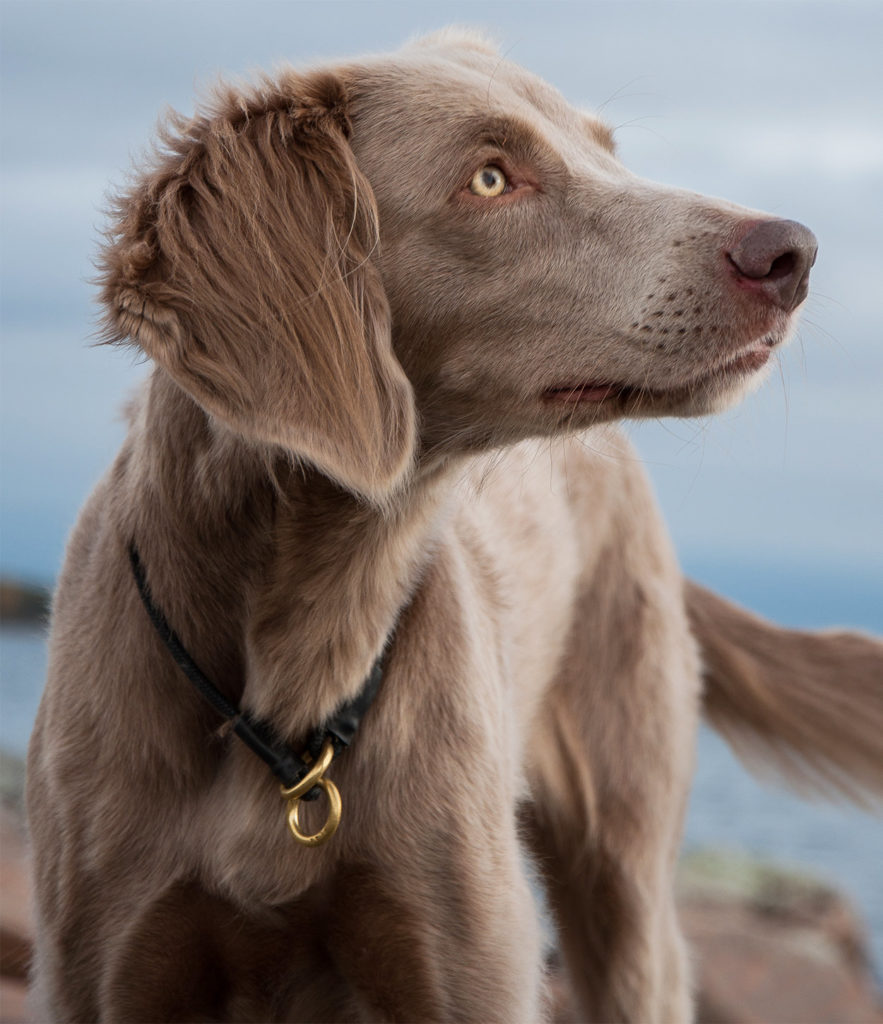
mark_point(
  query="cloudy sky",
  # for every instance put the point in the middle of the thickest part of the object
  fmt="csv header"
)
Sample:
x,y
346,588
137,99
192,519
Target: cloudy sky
x,y
774,105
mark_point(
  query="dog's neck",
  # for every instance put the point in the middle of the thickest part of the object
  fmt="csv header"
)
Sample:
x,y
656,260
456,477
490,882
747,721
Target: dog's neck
x,y
342,575
229,535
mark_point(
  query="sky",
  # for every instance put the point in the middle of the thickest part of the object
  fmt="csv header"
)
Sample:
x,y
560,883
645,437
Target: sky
x,y
777,106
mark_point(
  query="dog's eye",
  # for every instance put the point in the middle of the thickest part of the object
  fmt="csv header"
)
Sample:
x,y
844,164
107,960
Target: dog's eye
x,y
489,182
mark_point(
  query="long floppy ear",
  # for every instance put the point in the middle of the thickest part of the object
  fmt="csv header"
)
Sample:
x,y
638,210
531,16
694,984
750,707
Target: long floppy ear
x,y
241,263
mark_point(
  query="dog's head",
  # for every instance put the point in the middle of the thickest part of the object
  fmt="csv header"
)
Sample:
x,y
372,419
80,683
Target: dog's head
x,y
434,252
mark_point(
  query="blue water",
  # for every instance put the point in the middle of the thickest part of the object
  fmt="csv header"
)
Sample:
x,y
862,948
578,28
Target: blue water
x,y
728,807
22,671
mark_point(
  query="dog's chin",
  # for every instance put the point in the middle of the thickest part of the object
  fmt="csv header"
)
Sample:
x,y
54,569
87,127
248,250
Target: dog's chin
x,y
704,397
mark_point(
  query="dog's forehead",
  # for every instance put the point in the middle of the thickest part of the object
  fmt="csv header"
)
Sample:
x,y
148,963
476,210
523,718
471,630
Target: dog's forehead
x,y
429,86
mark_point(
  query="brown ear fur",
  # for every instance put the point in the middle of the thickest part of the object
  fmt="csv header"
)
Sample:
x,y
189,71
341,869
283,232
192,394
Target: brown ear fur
x,y
241,263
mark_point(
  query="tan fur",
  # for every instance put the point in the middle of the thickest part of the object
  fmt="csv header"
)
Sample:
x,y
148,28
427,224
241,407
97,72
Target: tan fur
x,y
346,433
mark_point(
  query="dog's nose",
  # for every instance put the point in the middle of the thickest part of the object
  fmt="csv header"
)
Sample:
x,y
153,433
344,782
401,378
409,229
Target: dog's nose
x,y
774,258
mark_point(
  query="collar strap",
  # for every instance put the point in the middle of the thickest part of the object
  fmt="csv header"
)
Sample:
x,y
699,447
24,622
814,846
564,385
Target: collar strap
x,y
289,767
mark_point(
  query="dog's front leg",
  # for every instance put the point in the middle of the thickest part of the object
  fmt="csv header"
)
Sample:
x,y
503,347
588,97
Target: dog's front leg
x,y
610,771
449,937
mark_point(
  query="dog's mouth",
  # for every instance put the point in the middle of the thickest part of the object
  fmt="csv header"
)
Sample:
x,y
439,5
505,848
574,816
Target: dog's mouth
x,y
599,392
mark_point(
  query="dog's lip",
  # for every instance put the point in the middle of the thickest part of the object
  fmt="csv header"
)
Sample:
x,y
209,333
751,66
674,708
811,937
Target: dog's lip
x,y
601,391
753,359
590,392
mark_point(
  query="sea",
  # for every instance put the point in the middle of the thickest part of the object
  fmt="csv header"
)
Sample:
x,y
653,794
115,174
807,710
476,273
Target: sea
x,y
729,809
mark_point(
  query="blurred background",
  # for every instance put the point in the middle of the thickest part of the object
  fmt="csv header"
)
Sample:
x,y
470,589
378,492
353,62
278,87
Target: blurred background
x,y
778,106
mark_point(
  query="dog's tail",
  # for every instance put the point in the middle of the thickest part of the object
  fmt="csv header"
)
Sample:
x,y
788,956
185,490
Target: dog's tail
x,y
807,706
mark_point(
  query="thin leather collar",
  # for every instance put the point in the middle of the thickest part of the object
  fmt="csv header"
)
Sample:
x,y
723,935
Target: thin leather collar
x,y
287,765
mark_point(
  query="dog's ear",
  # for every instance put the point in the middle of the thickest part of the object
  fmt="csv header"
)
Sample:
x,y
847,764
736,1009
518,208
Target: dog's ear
x,y
242,264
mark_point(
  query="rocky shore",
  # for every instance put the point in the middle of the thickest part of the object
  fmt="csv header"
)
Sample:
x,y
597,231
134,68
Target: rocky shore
x,y
23,603
774,945
769,945
15,911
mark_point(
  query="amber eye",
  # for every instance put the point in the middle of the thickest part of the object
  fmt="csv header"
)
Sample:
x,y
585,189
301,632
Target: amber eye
x,y
488,182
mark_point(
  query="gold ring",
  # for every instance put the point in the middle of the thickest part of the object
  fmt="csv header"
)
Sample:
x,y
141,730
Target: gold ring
x,y
331,822
313,776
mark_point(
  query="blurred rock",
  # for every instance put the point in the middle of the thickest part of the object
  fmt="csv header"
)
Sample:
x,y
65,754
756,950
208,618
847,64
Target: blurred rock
x,y
12,783
773,945
15,916
23,602
769,945
13,1002
15,910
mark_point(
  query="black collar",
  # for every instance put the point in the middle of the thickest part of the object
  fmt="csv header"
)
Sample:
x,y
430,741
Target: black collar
x,y
289,767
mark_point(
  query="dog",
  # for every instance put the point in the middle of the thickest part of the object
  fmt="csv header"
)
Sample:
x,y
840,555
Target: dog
x,y
396,308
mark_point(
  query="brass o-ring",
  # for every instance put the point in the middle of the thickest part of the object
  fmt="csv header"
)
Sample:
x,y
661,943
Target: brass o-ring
x,y
331,822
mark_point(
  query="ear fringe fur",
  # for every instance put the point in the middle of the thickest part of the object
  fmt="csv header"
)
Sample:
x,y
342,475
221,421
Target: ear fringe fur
x,y
314,103
240,260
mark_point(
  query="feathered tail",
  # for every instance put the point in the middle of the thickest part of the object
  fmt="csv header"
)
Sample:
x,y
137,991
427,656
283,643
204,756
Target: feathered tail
x,y
806,706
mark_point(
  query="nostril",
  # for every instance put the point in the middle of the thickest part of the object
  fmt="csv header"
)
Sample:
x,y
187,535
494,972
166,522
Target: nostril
x,y
782,266
760,267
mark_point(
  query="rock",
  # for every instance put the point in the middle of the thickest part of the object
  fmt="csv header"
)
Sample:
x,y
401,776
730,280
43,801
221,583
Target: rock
x,y
12,784
769,945
15,909
23,602
774,946
13,1002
